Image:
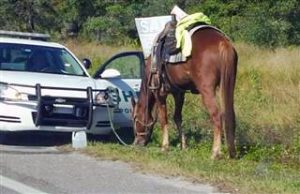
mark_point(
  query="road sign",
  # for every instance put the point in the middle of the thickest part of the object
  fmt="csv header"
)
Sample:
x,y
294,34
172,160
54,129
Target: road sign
x,y
148,28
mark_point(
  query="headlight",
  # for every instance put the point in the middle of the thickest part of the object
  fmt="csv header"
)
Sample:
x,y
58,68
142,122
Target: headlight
x,y
8,92
101,98
108,97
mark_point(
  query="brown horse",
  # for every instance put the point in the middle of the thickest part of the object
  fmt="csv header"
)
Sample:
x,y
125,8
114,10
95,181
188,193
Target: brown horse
x,y
212,65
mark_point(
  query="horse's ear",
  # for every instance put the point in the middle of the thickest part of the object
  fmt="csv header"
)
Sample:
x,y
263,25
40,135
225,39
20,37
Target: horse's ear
x,y
133,102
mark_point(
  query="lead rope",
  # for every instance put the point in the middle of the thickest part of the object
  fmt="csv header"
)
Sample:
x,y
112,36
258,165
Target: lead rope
x,y
113,128
112,124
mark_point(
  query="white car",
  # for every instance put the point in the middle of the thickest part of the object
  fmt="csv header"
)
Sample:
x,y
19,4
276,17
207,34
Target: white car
x,y
43,86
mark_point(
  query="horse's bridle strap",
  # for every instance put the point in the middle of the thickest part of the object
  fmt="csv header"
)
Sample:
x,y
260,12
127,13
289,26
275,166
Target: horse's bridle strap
x,y
142,133
135,119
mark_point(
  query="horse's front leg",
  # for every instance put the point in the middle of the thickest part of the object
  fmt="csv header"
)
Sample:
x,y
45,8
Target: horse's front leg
x,y
179,100
163,119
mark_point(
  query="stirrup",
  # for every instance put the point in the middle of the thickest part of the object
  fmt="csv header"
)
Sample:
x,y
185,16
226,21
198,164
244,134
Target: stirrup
x,y
150,86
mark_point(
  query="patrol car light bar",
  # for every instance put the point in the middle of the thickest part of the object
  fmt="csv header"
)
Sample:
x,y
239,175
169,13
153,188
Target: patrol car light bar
x,y
27,35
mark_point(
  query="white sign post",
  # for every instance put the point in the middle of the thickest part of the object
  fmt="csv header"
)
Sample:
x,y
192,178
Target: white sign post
x,y
148,28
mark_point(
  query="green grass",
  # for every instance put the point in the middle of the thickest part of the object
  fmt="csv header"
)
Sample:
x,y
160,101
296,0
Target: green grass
x,y
96,52
267,104
242,176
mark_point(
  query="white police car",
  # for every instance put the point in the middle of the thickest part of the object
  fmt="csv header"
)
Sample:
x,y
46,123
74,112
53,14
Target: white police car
x,y
43,86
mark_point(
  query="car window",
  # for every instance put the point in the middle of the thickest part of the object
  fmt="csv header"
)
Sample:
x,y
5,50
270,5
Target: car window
x,y
29,58
128,66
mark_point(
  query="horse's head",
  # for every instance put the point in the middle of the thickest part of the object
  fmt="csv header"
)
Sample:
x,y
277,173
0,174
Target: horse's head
x,y
142,123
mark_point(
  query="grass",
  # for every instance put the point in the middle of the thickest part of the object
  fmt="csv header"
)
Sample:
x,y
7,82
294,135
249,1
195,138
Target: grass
x,y
235,176
267,104
95,51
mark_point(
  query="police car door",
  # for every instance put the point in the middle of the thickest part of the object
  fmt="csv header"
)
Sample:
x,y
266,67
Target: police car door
x,y
124,72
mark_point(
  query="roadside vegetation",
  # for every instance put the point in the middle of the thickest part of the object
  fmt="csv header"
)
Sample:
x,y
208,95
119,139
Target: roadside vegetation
x,y
112,21
267,103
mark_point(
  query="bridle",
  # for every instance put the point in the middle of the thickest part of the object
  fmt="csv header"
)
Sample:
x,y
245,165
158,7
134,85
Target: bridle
x,y
146,125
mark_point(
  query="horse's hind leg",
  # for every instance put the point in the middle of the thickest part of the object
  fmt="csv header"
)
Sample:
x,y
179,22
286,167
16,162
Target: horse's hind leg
x,y
179,99
209,100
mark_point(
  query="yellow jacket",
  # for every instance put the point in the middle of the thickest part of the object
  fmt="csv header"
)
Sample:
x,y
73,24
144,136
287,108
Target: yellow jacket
x,y
182,35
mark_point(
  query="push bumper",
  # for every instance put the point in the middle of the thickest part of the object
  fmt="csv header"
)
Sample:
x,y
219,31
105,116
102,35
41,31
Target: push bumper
x,y
55,113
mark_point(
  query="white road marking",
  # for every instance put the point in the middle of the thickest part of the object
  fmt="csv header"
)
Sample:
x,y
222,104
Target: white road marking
x,y
18,187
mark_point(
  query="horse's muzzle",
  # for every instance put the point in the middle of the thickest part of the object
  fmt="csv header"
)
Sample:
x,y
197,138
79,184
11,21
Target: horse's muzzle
x,y
140,141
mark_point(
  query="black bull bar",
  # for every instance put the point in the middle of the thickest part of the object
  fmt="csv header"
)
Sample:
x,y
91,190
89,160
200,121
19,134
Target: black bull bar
x,y
82,108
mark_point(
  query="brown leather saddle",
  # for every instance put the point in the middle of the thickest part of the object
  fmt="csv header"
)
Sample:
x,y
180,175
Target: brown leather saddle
x,y
164,47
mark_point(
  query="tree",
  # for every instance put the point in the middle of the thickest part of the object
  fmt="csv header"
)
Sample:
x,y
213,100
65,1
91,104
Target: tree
x,y
29,15
113,21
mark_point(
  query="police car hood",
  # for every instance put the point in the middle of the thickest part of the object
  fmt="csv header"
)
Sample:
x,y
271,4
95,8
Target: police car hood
x,y
46,79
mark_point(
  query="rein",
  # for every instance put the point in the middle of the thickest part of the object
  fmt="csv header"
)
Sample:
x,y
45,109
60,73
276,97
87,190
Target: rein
x,y
144,124
147,125
135,119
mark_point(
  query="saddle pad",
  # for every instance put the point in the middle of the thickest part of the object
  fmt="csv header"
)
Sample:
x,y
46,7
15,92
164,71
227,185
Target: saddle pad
x,y
179,57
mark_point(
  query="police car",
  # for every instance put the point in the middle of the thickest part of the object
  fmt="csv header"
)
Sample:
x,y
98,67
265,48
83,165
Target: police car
x,y
43,86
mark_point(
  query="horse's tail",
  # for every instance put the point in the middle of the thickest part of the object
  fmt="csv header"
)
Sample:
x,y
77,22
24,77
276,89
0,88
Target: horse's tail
x,y
228,77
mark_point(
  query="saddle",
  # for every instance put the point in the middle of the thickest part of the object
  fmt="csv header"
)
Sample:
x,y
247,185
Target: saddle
x,y
164,47
165,51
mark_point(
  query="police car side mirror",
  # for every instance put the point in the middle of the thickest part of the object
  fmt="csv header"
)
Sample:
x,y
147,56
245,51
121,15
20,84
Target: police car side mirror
x,y
110,73
87,63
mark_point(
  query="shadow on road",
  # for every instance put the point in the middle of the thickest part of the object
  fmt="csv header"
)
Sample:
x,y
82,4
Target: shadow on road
x,y
43,138
125,134
30,138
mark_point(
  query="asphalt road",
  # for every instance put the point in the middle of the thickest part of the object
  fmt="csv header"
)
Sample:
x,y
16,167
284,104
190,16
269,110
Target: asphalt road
x,y
31,163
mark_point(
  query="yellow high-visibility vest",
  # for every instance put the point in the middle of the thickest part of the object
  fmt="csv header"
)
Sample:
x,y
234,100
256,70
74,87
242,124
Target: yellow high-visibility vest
x,y
182,35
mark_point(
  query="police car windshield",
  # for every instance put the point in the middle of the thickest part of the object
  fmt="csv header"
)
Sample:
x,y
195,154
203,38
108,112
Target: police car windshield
x,y
41,59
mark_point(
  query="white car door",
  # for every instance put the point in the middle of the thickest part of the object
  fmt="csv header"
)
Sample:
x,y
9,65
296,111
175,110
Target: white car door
x,y
123,71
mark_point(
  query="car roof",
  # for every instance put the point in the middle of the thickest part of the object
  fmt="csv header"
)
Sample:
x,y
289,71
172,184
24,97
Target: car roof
x,y
30,42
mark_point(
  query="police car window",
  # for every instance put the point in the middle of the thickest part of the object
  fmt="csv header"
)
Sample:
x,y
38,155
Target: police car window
x,y
68,63
128,66
18,57
13,58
